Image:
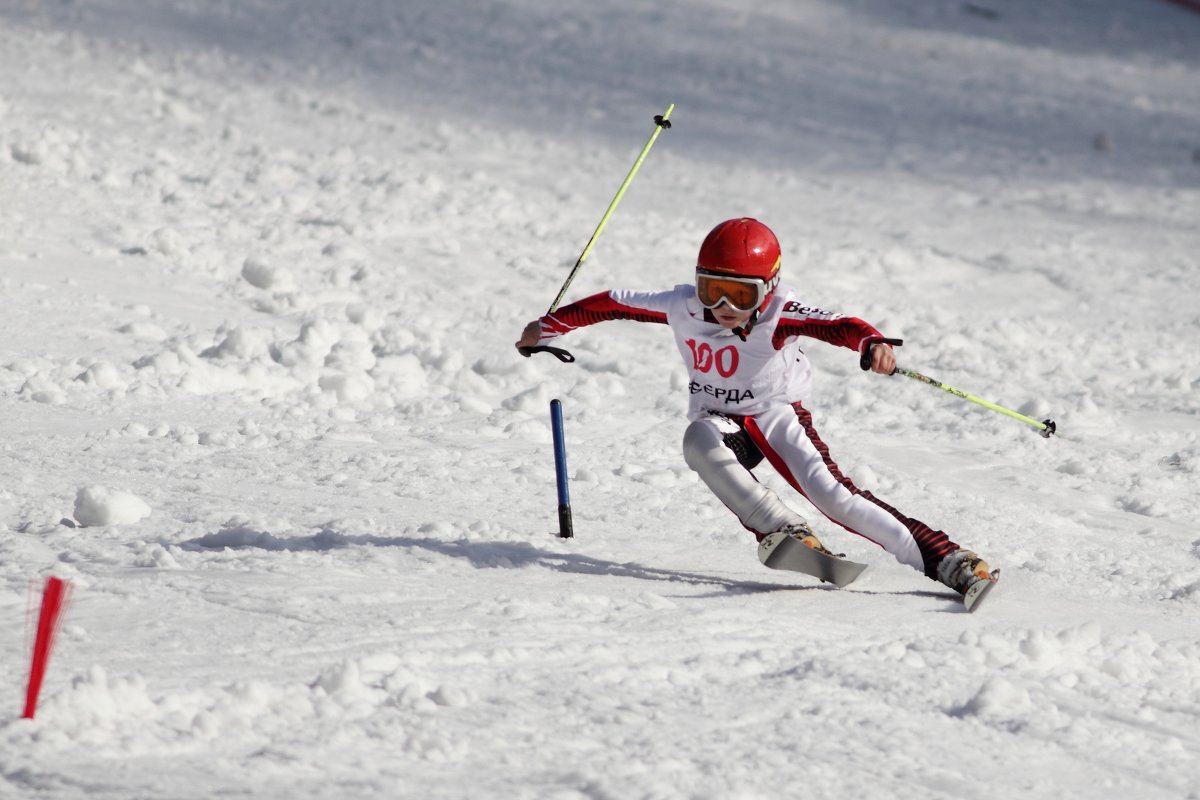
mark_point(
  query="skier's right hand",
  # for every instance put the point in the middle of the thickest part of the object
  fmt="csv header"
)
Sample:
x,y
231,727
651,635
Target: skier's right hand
x,y
531,334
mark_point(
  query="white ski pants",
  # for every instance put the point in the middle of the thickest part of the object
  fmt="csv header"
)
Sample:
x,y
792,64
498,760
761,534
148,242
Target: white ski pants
x,y
786,438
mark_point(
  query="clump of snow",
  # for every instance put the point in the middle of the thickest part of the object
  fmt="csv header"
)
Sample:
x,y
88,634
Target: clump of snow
x,y
98,507
263,275
144,331
349,387
41,389
102,375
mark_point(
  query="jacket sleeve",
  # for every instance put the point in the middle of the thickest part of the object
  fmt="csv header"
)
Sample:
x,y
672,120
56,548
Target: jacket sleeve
x,y
613,304
829,327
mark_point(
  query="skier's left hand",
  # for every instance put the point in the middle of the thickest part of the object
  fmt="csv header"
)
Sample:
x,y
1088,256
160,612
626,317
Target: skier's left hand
x,y
883,359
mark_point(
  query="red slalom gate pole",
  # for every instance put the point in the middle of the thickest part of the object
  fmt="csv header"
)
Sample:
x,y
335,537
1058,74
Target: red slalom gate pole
x,y
55,597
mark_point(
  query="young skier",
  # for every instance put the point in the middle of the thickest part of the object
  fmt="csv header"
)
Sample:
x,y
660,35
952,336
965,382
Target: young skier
x,y
738,330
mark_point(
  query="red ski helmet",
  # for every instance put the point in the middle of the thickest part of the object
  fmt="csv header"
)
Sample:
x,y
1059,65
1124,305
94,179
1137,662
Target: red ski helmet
x,y
741,249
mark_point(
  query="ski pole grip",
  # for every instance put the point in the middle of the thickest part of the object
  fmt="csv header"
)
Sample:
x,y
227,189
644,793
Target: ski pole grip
x,y
864,360
557,352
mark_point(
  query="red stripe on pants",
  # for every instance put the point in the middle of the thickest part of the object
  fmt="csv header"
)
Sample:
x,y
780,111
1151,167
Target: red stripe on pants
x,y
933,545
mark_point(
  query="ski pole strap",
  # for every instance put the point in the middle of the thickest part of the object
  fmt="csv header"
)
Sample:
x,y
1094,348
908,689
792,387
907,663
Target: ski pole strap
x,y
1046,427
864,360
557,352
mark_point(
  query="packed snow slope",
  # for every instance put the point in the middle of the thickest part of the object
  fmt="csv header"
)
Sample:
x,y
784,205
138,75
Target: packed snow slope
x,y
263,263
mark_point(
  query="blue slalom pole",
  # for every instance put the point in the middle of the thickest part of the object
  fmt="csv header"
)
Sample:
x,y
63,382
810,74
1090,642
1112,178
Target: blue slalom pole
x,y
565,530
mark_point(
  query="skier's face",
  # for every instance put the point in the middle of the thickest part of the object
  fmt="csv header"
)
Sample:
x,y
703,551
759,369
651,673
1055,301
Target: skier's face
x,y
729,317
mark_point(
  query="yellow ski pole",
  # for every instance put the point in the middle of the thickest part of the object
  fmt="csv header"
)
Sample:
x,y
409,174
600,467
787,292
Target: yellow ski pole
x,y
661,121
1047,428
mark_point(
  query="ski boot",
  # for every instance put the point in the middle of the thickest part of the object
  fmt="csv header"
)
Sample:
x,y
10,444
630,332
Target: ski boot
x,y
802,533
968,574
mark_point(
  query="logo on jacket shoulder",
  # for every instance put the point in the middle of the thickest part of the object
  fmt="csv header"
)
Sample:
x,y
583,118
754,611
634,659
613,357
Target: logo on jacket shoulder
x,y
792,307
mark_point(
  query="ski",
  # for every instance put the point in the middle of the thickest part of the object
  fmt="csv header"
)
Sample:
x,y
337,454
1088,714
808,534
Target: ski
x,y
782,551
979,590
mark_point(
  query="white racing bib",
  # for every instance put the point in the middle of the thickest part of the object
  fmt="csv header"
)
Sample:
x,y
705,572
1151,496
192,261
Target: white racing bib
x,y
728,375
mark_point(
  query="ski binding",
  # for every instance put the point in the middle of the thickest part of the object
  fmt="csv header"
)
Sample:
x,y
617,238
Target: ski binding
x,y
780,550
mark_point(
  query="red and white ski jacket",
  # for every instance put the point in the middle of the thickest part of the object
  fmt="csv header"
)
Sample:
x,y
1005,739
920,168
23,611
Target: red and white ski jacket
x,y
728,375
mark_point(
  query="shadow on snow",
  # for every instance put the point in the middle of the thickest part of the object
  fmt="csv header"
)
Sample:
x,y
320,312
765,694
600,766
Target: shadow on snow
x,y
482,555
500,555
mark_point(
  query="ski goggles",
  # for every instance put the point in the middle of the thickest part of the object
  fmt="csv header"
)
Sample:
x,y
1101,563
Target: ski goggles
x,y
742,294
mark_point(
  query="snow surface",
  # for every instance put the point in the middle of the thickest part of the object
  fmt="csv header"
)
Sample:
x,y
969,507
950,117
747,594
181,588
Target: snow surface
x,y
263,263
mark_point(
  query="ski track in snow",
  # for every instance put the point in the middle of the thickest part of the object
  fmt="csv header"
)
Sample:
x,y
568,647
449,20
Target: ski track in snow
x,y
263,264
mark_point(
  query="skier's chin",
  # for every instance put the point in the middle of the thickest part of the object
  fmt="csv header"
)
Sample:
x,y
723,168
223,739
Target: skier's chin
x,y
730,320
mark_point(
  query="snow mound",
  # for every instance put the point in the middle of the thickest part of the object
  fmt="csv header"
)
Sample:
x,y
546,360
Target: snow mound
x,y
355,701
98,507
